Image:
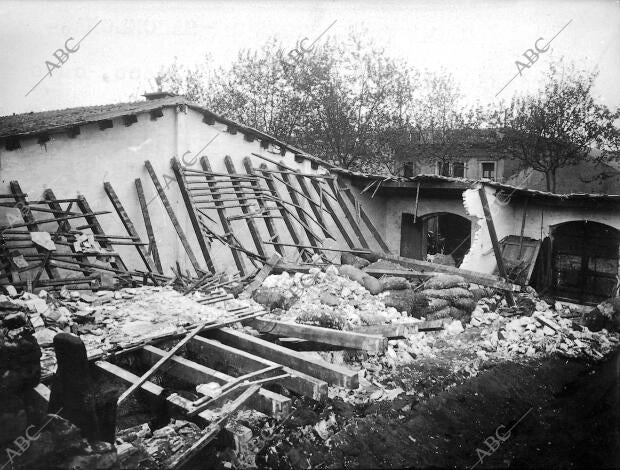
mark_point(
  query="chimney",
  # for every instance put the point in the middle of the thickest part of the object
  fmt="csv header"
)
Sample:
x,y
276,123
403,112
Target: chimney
x,y
157,95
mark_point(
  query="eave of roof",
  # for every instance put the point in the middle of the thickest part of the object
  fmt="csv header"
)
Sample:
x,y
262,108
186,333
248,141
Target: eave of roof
x,y
34,124
401,182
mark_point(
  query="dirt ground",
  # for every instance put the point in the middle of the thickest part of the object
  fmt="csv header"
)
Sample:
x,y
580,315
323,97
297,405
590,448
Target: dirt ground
x,y
563,414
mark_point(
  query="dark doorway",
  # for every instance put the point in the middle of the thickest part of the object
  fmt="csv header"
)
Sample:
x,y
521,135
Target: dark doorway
x,y
441,233
585,261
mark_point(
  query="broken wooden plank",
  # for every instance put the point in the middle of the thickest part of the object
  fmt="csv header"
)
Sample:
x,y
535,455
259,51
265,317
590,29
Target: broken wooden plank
x,y
371,226
234,389
262,274
26,213
375,272
330,209
331,373
151,388
266,401
271,228
228,231
173,217
185,460
191,210
312,238
203,349
252,227
284,213
315,210
97,229
128,224
149,227
347,339
162,361
348,215
208,324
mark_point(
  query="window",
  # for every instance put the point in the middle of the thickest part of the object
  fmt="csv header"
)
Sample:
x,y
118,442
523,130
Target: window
x,y
455,169
488,170
408,170
458,170
443,168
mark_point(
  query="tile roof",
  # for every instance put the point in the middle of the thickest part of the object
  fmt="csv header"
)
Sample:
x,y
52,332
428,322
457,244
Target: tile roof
x,y
29,124
36,123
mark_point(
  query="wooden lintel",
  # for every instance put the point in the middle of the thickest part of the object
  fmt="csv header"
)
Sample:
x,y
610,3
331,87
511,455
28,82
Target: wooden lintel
x,y
347,339
331,373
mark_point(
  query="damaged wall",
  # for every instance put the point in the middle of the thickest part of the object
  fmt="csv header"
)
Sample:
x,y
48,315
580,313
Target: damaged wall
x,y
81,165
541,216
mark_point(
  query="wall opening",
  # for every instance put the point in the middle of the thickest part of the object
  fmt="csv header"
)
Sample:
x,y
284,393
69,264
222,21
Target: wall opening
x,y
584,261
435,234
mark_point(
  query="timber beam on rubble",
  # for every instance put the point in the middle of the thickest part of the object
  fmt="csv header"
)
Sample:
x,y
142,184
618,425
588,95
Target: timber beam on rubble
x,y
333,374
268,402
487,280
347,339
201,349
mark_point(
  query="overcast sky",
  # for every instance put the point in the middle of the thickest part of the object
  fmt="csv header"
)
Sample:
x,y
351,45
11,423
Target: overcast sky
x,y
478,41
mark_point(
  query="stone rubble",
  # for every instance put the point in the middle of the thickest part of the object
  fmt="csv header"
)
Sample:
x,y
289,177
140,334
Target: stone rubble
x,y
140,447
108,320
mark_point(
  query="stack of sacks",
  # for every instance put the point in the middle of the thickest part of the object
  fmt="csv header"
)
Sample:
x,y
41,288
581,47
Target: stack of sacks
x,y
371,284
448,296
397,291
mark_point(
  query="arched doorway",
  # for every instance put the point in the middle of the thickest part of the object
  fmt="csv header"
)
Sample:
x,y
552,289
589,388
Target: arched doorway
x,y
584,261
439,233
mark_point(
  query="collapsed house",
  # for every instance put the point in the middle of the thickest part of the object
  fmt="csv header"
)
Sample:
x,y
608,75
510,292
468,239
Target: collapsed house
x,y
197,264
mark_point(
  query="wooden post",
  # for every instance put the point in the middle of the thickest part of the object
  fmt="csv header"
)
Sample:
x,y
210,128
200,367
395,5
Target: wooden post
x,y
522,227
417,200
173,217
496,248
149,228
191,210
219,207
131,230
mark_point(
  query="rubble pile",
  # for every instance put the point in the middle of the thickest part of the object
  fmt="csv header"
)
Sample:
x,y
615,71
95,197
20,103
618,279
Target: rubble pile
x,y
108,320
58,443
546,331
141,447
330,300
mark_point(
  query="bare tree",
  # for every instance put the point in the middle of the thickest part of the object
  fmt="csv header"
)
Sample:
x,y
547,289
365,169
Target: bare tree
x,y
444,128
561,125
340,101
